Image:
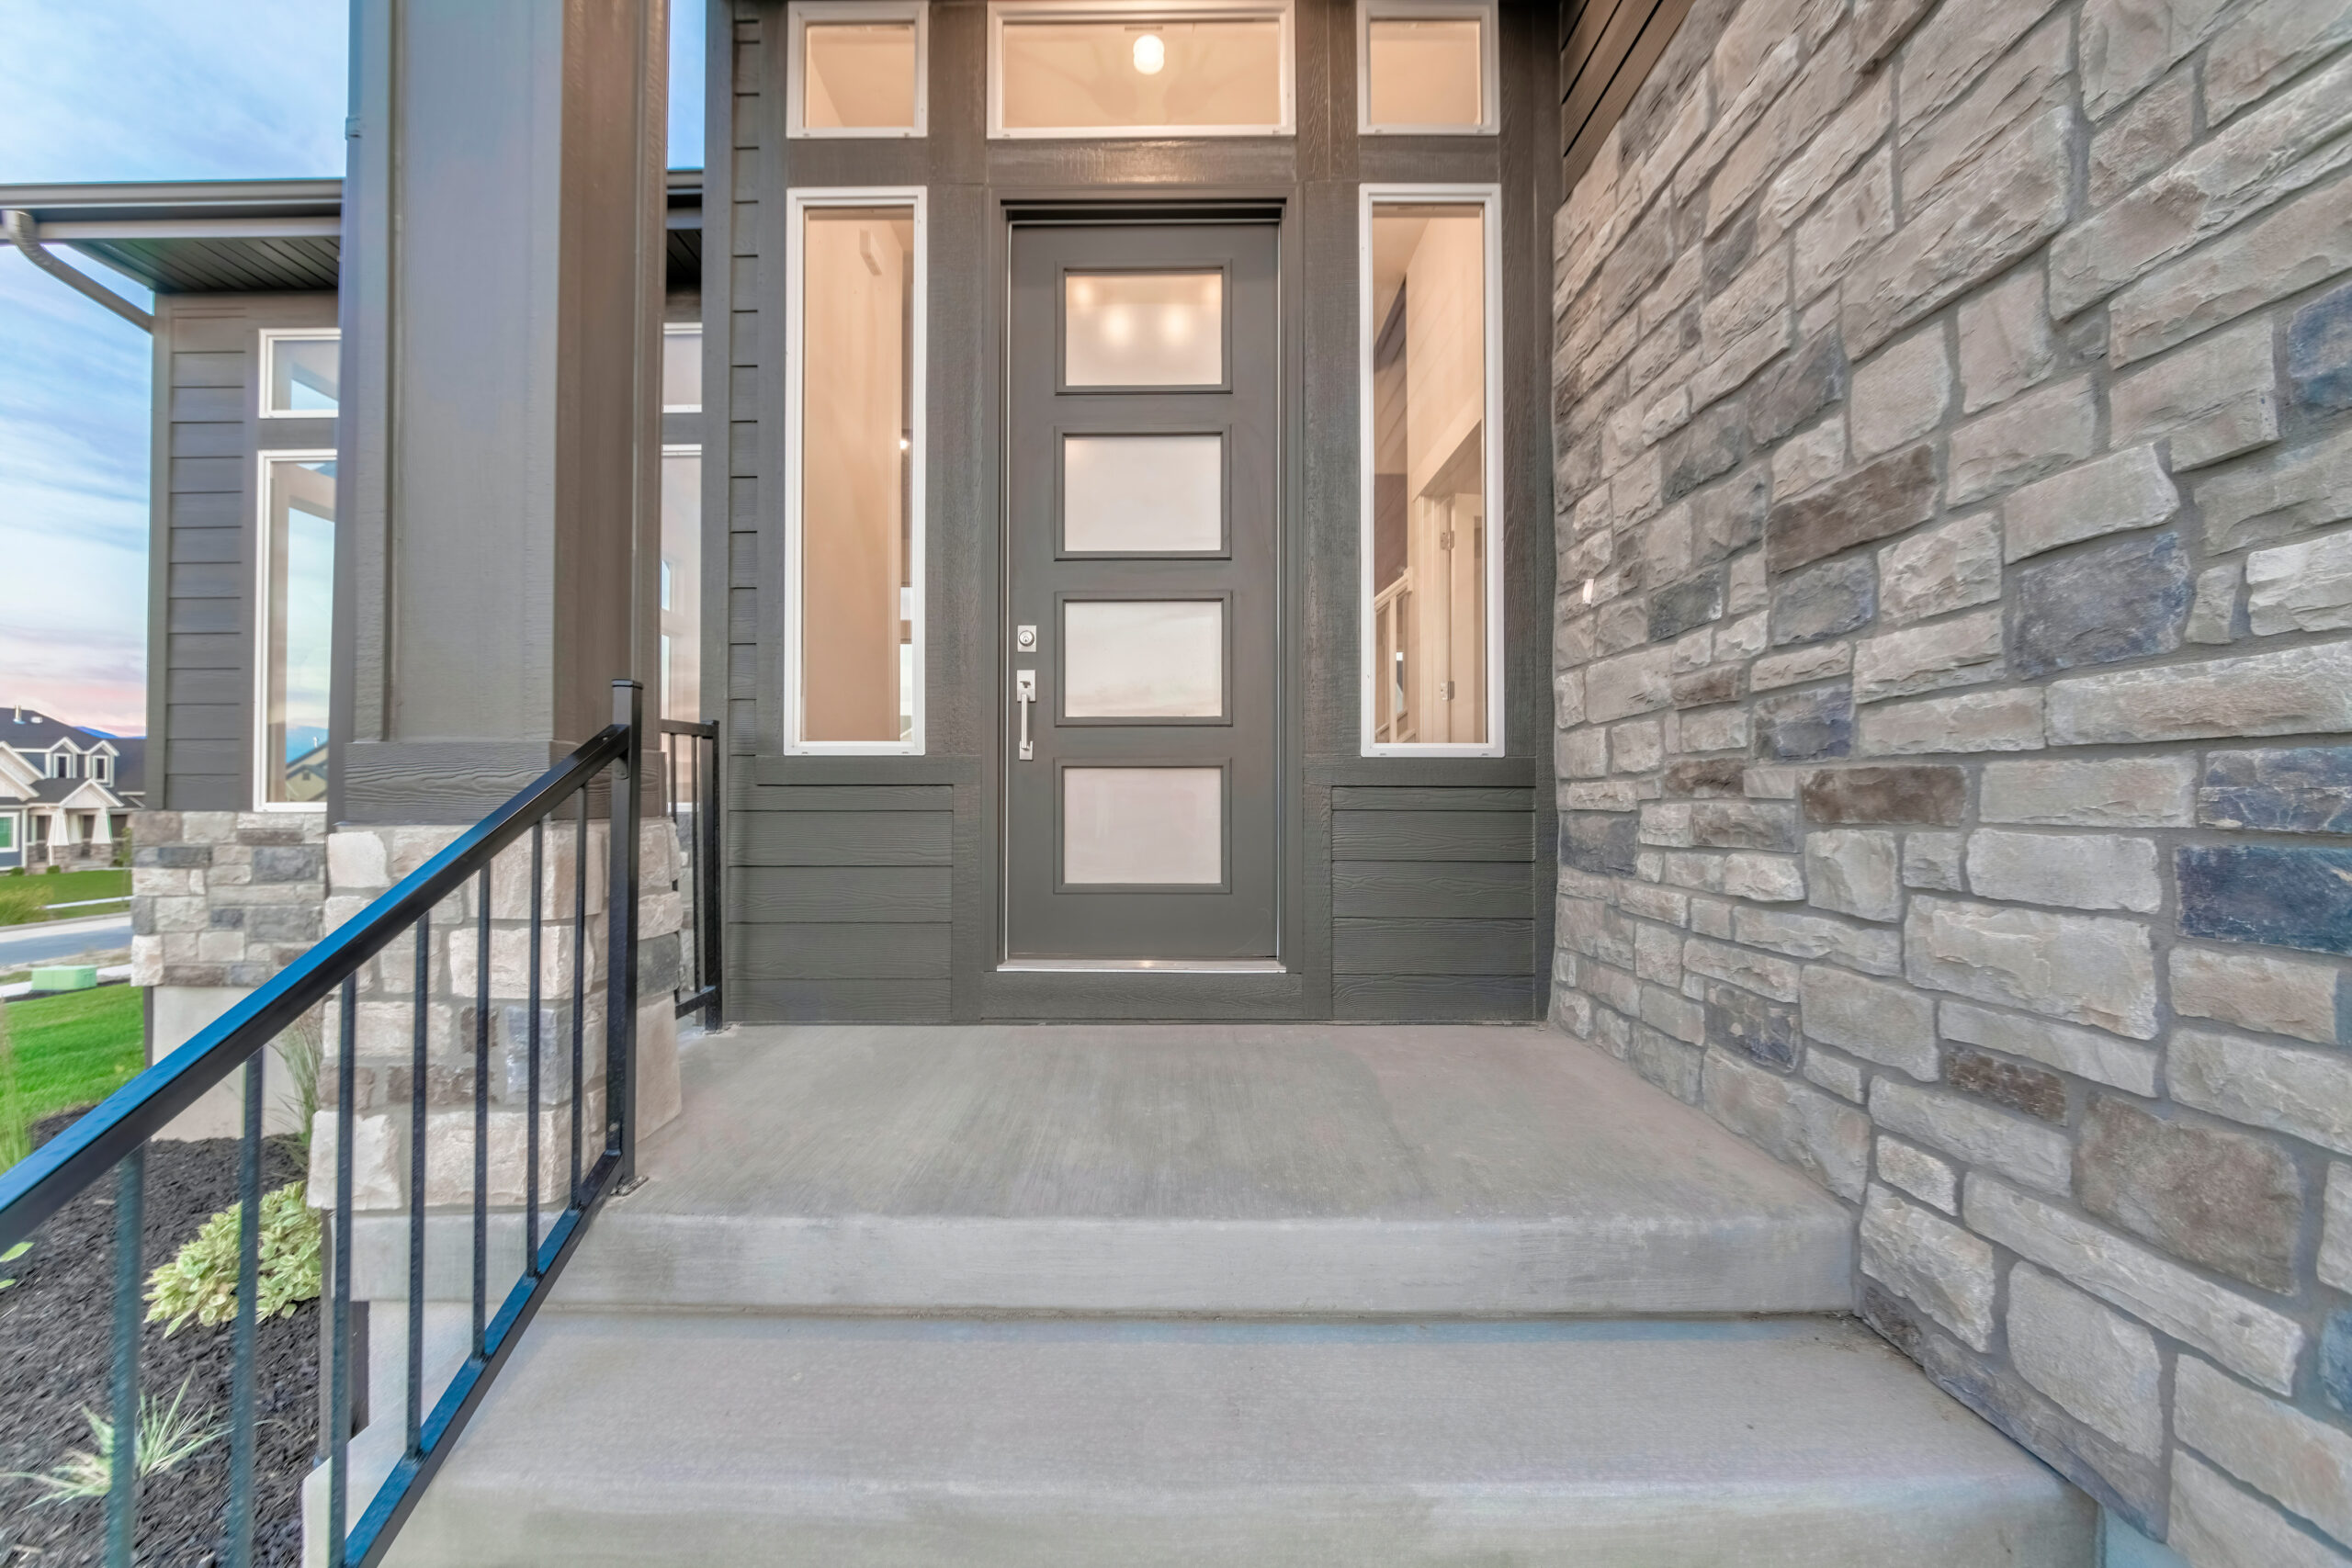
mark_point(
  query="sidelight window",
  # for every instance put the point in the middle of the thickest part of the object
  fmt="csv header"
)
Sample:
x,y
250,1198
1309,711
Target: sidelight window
x,y
854,471
1188,68
858,68
1431,542
1426,68
295,639
680,591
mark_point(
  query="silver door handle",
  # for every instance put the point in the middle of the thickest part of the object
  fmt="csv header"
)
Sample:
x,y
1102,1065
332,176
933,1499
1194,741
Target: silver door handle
x,y
1024,692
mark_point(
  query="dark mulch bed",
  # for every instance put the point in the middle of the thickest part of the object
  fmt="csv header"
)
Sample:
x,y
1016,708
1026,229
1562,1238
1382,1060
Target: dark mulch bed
x,y
56,1326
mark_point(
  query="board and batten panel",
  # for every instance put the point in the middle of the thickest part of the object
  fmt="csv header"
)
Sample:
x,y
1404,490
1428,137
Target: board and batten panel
x,y
1431,902
208,440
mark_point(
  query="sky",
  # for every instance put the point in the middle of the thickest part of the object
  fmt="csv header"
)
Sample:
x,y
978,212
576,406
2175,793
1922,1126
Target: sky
x,y
144,90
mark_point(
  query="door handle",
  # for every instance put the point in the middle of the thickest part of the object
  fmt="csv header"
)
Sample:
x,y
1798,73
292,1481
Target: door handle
x,y
1024,692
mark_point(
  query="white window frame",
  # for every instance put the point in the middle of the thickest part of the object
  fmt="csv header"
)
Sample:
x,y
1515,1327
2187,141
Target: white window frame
x,y
1000,11
803,12
13,822
680,329
100,767
679,590
259,738
270,338
1488,197
1490,61
798,203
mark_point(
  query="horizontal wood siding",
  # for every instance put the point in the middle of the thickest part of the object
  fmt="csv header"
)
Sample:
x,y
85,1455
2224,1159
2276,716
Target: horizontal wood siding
x,y
1608,49
1433,892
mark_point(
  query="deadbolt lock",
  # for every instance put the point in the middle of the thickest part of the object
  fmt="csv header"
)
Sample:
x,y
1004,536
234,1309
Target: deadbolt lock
x,y
1025,638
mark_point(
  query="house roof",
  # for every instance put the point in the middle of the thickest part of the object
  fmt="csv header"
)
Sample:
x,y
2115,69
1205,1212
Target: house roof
x,y
59,791
251,236
30,733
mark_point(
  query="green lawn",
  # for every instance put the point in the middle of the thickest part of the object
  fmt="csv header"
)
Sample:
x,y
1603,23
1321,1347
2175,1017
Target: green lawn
x,y
75,1049
27,898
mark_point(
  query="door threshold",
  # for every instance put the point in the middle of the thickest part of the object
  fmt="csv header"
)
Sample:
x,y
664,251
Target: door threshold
x,y
1141,967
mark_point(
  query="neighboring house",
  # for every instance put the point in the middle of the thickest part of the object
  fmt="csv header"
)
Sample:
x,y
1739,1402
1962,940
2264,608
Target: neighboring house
x,y
66,793
1796,545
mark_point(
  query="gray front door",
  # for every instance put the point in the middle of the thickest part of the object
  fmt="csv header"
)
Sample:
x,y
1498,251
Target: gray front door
x,y
1143,487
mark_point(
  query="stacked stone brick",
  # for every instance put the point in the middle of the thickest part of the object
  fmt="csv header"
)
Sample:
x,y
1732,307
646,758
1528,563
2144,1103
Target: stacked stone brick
x,y
363,862
1953,432
223,898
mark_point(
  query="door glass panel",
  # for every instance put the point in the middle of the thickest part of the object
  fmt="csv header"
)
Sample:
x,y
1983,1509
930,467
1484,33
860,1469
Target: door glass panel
x,y
1144,329
1425,72
1133,659
1143,825
1142,495
858,666
1430,549
1125,74
682,585
858,77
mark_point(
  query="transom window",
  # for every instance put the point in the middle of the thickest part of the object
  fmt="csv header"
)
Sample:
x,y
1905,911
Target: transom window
x,y
301,372
1426,67
858,68
1184,68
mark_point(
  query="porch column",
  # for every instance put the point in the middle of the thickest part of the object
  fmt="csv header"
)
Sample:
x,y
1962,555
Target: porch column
x,y
501,306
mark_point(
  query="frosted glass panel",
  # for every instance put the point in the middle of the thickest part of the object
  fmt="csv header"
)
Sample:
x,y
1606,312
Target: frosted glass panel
x,y
858,77
1424,72
1138,659
1120,74
1144,329
1143,825
1151,494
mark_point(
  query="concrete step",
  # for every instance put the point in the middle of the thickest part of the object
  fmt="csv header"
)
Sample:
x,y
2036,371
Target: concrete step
x,y
1251,1170
879,1443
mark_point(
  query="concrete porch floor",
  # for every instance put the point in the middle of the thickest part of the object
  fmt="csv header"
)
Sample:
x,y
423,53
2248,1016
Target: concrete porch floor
x,y
1198,1169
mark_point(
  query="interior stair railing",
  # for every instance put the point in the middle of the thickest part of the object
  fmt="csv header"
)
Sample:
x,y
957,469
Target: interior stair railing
x,y
113,1138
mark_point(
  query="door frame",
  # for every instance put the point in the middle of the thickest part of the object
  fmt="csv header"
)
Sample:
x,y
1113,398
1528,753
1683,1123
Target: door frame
x,y
1175,989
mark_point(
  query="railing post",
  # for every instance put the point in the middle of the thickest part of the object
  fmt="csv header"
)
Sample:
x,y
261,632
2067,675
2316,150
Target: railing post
x,y
620,949
709,890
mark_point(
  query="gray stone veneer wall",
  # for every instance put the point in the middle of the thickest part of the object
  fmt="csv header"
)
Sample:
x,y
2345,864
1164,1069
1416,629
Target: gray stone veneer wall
x,y
223,898
1954,419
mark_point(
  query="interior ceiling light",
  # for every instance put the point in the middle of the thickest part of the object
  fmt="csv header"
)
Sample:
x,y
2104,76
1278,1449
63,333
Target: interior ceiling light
x,y
1150,54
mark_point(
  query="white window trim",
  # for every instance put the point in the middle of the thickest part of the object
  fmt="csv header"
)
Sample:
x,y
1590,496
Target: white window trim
x,y
14,821
270,337
797,205
1490,198
1489,62
1000,11
680,329
259,748
803,12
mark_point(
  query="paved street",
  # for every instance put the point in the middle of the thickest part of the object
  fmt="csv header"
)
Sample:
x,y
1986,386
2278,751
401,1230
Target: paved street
x,y
23,945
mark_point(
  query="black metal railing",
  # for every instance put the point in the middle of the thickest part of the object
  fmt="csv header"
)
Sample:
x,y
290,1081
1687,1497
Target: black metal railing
x,y
115,1135
690,764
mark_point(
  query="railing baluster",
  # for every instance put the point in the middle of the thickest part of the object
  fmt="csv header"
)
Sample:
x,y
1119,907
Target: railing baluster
x,y
339,1428
123,1483
417,1069
531,1134
579,982
481,1107
241,1378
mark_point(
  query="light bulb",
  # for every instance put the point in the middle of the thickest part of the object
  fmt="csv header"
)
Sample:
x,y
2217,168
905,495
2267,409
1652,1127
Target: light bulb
x,y
1150,54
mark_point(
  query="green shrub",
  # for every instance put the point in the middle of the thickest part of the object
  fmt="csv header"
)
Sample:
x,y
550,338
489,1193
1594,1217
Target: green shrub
x,y
201,1282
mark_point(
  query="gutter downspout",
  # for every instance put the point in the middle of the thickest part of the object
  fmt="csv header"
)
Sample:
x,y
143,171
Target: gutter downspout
x,y
23,234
